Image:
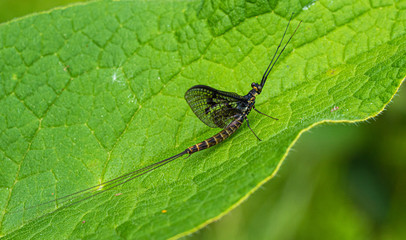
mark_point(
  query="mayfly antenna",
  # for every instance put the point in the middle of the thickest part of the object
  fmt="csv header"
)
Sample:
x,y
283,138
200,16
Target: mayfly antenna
x,y
272,63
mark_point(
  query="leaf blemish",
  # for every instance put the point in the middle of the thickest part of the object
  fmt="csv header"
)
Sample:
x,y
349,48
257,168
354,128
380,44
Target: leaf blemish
x,y
117,78
308,6
335,108
132,99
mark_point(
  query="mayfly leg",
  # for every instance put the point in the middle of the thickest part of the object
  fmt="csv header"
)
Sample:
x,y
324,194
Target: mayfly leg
x,y
264,114
248,124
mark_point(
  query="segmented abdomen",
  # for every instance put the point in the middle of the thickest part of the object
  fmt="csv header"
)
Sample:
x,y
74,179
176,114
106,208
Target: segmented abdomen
x,y
218,138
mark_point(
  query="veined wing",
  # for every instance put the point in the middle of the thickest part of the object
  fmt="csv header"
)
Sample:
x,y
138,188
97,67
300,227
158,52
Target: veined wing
x,y
213,107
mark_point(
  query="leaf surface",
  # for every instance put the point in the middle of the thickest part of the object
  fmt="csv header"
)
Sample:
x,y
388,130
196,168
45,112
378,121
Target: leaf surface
x,y
93,91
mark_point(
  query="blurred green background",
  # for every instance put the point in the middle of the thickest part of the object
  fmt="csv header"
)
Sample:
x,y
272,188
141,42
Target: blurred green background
x,y
340,181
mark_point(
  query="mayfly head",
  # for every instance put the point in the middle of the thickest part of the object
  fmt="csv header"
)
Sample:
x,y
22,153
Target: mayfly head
x,y
256,87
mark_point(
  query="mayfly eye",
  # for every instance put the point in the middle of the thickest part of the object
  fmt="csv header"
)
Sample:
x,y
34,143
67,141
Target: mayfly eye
x,y
253,84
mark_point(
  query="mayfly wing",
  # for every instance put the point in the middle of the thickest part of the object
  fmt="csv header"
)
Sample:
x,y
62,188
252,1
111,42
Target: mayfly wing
x,y
213,107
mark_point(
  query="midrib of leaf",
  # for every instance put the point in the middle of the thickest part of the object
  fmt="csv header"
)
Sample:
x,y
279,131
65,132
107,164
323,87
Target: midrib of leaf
x,y
223,163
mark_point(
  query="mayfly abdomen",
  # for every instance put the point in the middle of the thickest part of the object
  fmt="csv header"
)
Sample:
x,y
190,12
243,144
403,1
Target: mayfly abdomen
x,y
218,138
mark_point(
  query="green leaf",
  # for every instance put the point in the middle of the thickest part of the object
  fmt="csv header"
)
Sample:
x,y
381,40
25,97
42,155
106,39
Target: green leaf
x,y
93,91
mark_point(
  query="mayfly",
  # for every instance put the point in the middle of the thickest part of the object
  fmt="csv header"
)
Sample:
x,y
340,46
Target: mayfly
x,y
217,109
